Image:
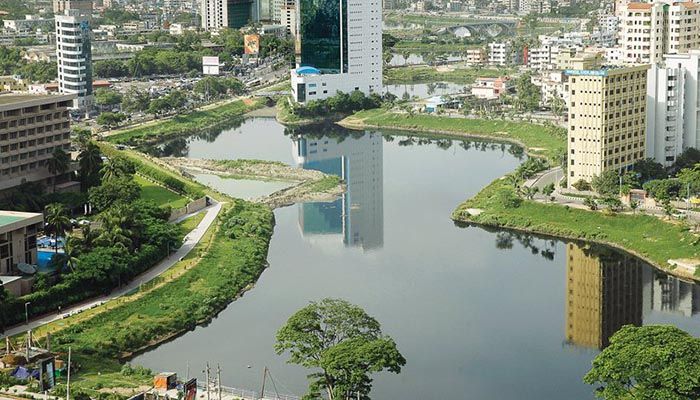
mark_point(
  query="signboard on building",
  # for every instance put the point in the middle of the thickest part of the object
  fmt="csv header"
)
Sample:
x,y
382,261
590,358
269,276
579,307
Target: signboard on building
x,y
251,44
210,65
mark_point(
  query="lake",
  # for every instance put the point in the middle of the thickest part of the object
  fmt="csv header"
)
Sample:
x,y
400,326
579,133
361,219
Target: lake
x,y
478,314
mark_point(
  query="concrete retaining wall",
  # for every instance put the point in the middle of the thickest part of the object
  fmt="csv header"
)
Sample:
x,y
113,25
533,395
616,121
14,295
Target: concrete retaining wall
x,y
191,207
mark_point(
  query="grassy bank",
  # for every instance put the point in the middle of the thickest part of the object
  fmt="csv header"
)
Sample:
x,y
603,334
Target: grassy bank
x,y
185,123
643,235
147,166
233,261
160,195
545,141
429,74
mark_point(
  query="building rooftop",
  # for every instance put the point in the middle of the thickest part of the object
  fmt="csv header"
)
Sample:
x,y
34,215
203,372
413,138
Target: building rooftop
x,y
11,220
9,101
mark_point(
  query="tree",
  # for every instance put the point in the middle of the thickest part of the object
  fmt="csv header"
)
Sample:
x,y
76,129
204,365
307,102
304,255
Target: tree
x,y
648,362
344,342
581,185
610,183
90,162
107,97
136,100
114,191
110,68
58,164
590,203
667,207
548,190
528,94
57,221
110,119
634,205
649,169
117,167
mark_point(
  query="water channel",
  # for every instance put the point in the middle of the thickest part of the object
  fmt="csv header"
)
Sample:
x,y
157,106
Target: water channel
x,y
478,314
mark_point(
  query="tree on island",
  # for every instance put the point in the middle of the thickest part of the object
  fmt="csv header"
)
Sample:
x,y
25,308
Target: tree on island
x,y
649,362
344,342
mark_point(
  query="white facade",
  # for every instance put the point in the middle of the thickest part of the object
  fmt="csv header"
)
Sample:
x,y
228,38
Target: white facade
x,y
501,53
672,107
364,58
214,14
650,30
288,17
74,58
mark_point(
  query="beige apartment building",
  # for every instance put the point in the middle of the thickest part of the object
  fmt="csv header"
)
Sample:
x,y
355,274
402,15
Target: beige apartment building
x,y
31,128
607,120
650,30
18,232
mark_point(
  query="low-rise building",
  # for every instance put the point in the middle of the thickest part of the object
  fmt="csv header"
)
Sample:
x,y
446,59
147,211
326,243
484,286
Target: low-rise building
x,y
475,56
18,231
501,53
31,128
491,88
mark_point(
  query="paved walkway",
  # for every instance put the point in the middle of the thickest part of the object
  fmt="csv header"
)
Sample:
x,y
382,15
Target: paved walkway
x,y
189,242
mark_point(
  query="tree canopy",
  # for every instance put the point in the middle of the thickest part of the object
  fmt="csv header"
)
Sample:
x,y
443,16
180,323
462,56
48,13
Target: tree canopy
x,y
651,362
344,342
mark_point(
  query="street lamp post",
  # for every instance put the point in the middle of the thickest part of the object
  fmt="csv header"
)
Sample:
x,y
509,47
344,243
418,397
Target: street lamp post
x,y
26,311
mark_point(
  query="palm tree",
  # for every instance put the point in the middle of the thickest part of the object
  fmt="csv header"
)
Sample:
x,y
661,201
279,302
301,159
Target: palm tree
x,y
90,161
110,170
57,221
58,164
70,252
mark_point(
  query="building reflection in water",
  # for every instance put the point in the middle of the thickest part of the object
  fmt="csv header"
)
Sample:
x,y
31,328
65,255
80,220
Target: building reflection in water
x,y
606,290
358,216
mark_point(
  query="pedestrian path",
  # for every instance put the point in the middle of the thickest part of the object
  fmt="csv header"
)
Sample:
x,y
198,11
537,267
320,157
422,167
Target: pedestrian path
x,y
189,242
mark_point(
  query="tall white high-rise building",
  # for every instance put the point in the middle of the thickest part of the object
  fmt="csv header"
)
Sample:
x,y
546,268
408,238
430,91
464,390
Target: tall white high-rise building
x,y
672,111
74,57
650,30
288,16
340,48
218,14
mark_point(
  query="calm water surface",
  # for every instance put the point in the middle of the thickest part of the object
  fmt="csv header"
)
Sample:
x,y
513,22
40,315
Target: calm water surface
x,y
477,314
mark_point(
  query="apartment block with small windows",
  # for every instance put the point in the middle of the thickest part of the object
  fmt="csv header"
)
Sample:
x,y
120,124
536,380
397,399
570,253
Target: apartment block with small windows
x,y
607,120
31,128
74,57
650,30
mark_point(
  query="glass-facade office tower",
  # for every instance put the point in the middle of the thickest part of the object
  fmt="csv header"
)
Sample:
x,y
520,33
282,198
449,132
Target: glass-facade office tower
x,y
339,48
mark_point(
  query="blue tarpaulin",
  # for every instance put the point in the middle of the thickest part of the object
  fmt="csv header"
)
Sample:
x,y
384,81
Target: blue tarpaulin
x,y
24,373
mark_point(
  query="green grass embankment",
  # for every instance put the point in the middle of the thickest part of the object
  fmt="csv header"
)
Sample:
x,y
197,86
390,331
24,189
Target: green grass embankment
x,y
228,261
646,236
160,195
185,123
394,76
538,140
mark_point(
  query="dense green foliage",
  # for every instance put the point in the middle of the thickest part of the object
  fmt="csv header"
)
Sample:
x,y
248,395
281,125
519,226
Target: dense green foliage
x,y
527,94
11,63
114,191
235,260
110,119
344,343
341,103
648,362
216,86
132,239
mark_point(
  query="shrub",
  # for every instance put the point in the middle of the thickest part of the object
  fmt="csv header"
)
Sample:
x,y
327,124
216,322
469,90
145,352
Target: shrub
x,y
581,185
507,198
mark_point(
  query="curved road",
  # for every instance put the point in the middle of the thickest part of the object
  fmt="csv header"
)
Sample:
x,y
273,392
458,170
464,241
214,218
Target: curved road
x,y
190,241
